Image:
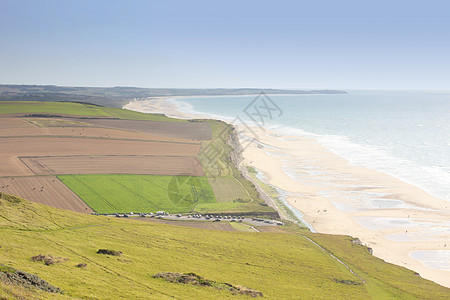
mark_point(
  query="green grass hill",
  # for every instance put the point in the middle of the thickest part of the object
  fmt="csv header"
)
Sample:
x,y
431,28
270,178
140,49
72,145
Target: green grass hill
x,y
279,265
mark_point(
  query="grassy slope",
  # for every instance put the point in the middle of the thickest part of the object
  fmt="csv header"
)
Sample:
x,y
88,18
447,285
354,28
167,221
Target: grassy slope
x,y
140,193
403,283
78,109
281,266
9,291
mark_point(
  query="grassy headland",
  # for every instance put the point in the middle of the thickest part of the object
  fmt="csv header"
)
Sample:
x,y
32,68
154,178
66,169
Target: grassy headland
x,y
280,266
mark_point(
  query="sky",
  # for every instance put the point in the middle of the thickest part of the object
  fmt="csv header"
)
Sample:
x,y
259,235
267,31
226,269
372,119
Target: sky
x,y
317,44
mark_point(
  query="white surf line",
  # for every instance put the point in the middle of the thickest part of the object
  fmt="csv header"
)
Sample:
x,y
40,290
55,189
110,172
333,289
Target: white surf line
x,y
334,257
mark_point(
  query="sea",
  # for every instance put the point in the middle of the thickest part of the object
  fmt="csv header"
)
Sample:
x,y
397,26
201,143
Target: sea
x,y
405,134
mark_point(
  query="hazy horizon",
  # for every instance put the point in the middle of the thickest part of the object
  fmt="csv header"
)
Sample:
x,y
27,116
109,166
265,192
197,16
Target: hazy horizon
x,y
198,44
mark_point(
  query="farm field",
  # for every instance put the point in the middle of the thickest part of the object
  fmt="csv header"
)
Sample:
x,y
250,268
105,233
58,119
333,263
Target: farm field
x,y
114,164
77,109
140,193
23,127
280,266
104,142
12,148
8,123
7,107
48,146
47,190
186,130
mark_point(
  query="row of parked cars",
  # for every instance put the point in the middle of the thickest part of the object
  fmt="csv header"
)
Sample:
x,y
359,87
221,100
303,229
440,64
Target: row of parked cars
x,y
215,218
127,215
209,217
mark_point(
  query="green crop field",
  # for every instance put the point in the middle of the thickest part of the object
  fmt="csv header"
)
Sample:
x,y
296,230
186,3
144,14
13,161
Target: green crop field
x,y
140,193
150,193
280,266
69,108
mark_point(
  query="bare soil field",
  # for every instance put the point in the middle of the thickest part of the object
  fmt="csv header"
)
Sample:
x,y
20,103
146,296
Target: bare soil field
x,y
46,190
222,226
57,122
9,123
183,130
54,146
13,147
139,164
93,132
13,166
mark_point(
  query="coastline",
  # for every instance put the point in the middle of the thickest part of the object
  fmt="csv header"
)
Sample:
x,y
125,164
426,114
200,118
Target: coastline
x,y
394,233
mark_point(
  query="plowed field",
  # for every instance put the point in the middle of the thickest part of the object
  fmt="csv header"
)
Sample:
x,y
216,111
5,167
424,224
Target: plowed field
x,y
139,164
46,190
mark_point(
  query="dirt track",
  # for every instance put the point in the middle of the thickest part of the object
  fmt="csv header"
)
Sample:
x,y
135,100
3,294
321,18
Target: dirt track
x,y
146,165
46,190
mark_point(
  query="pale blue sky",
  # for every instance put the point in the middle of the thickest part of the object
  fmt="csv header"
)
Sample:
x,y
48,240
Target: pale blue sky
x,y
264,44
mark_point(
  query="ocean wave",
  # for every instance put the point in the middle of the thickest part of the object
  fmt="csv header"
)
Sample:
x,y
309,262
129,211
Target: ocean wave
x,y
432,179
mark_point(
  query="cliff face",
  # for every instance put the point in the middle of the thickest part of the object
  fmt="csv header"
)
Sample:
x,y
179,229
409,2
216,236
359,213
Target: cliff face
x,y
237,159
236,152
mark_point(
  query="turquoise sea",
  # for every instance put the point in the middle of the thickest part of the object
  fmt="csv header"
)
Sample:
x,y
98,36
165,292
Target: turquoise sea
x,y
405,134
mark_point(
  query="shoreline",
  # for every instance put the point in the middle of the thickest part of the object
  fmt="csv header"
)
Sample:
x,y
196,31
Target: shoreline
x,y
394,233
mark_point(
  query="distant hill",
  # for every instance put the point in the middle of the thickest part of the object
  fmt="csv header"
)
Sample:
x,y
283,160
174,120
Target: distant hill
x,y
119,96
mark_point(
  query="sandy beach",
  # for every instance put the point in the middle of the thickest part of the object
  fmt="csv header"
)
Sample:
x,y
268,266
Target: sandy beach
x,y
401,223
